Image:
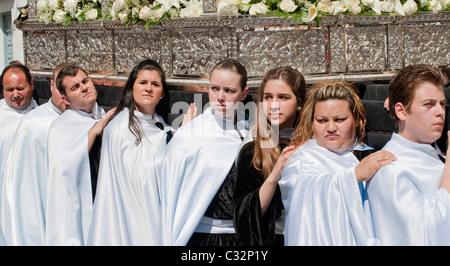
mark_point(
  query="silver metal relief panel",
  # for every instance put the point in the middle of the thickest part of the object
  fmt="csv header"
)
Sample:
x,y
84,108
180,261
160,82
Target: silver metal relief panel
x,y
337,53
32,9
133,47
304,50
366,49
427,44
166,53
195,52
209,6
92,50
395,47
44,50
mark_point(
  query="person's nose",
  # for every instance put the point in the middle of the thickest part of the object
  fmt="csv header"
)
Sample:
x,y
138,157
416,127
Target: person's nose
x,y
331,126
440,111
220,96
16,95
274,104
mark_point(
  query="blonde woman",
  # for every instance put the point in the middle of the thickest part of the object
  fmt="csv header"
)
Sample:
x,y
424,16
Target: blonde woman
x,y
321,184
258,209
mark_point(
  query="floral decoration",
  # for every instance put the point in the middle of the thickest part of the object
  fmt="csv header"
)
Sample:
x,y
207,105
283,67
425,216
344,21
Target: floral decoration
x,y
65,11
154,11
305,11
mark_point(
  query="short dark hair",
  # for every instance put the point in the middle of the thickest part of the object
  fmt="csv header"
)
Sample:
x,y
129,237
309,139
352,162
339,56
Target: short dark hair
x,y
20,67
404,83
70,70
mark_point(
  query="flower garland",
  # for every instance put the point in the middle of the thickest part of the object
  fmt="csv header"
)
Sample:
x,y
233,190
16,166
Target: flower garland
x,y
305,11
65,11
154,11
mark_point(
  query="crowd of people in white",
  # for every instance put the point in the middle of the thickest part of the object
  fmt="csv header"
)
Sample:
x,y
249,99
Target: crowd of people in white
x,y
73,174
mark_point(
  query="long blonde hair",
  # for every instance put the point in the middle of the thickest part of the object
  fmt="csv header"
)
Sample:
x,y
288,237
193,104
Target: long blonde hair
x,y
264,159
326,91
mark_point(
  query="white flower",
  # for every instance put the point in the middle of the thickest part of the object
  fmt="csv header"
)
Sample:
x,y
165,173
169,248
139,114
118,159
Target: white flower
x,y
134,10
354,8
258,9
351,2
227,7
70,6
312,13
387,6
324,6
121,4
338,7
123,16
145,13
423,3
158,13
54,4
435,6
398,8
444,3
195,9
58,16
46,17
375,5
244,7
167,4
91,14
42,5
288,6
410,7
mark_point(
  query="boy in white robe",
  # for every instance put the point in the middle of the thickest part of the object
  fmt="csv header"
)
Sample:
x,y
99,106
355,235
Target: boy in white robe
x,y
70,139
18,101
25,179
408,201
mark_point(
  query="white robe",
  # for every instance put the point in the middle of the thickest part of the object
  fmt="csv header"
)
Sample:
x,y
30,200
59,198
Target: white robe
x,y
9,121
69,191
322,198
198,158
127,202
404,202
25,179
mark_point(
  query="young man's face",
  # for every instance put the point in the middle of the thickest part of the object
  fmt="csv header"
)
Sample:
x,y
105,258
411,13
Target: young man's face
x,y
426,118
81,93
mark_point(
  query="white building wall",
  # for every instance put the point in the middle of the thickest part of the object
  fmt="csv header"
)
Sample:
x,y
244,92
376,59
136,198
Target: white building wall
x,y
12,6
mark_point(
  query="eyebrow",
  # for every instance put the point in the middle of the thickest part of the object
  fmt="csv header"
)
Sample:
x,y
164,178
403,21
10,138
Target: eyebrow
x,y
76,85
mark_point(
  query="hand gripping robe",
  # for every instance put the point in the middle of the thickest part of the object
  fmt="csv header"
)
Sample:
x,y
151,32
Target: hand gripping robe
x,y
127,203
406,205
69,189
198,158
322,198
25,179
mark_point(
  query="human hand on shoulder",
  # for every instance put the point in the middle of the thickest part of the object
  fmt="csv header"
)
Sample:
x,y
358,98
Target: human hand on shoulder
x,y
275,175
370,164
97,129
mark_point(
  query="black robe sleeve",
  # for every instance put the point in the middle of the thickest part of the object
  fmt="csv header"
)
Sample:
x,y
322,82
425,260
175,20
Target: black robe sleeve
x,y
252,228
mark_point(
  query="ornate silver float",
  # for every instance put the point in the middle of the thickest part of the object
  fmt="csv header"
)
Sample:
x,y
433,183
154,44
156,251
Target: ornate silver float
x,y
343,47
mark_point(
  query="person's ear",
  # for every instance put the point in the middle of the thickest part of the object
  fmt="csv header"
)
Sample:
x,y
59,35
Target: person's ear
x,y
400,111
244,94
65,99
